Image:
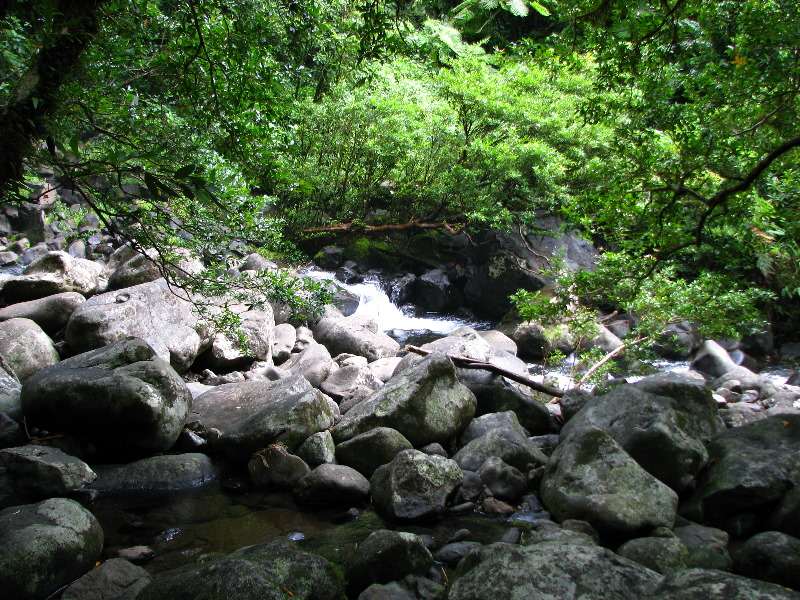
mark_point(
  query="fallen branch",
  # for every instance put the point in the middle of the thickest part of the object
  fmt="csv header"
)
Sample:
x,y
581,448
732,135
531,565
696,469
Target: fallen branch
x,y
470,363
454,229
615,352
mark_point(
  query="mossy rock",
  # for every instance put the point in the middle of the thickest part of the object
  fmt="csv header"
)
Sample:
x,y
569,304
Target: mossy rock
x,y
336,545
370,253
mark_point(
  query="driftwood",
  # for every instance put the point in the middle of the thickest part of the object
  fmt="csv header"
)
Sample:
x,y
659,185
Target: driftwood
x,y
470,363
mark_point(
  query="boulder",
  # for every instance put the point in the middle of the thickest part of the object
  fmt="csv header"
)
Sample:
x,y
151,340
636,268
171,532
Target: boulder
x,y
483,424
770,556
275,468
663,555
425,404
414,485
9,395
350,381
712,359
661,429
332,484
386,556
591,477
504,481
368,451
508,444
238,419
150,311
137,269
434,292
53,273
678,341
708,546
750,468
535,341
497,395
122,398
355,335
46,546
313,362
36,473
51,313
284,338
703,584
156,474
318,449
264,571
115,579
229,352
548,572
25,348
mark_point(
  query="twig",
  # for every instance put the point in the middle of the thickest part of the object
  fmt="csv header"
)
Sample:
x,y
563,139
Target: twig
x,y
608,357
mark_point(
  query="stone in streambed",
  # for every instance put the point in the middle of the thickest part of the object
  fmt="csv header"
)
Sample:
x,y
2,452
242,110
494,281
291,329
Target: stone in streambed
x,y
386,556
274,467
332,484
368,451
116,578
156,474
25,348
50,313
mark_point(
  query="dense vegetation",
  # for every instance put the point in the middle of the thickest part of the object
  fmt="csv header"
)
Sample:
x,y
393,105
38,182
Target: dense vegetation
x,y
668,131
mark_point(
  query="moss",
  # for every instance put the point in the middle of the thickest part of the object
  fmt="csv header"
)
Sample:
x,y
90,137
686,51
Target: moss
x,y
370,253
336,545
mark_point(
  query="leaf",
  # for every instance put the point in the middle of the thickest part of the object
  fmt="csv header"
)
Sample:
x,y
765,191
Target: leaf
x,y
518,8
35,102
185,171
152,183
73,145
540,8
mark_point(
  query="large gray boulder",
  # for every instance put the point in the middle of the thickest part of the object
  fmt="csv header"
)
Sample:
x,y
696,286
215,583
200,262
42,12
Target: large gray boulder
x,y
550,571
51,313
355,335
25,348
770,556
371,449
45,546
264,571
229,352
34,473
313,362
414,485
425,403
712,359
53,273
386,556
156,474
704,584
150,311
115,579
662,433
123,399
506,443
535,340
590,477
750,468
332,484
708,546
239,419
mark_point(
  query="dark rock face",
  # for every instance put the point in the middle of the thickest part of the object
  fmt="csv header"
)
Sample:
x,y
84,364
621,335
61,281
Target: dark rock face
x,y
259,572
45,546
116,578
548,572
770,556
703,584
122,398
241,418
156,474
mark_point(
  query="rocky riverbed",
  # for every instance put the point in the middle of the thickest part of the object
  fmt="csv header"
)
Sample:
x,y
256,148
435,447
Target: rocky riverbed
x,y
414,478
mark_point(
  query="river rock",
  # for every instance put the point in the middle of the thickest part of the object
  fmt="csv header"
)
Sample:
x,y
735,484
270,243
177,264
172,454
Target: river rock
x,y
45,546
661,429
115,579
549,572
703,584
350,381
156,474
708,546
678,341
149,311
53,273
661,554
368,451
273,467
355,335
332,484
284,338
313,362
591,477
38,472
770,556
122,398
238,419
434,292
228,352
499,420
25,348
712,359
386,556
137,269
504,481
51,313
9,395
264,571
508,444
750,469
414,485
425,403
318,449
534,341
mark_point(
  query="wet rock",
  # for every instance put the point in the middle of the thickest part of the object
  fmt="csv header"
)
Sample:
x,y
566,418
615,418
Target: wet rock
x,y
46,546
53,273
508,444
332,484
708,546
241,418
702,584
712,359
591,477
149,311
386,556
368,451
770,556
329,258
25,348
116,578
38,472
434,292
51,313
414,485
425,403
273,467
122,399
549,571
504,482
156,474
451,554
259,572
317,449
